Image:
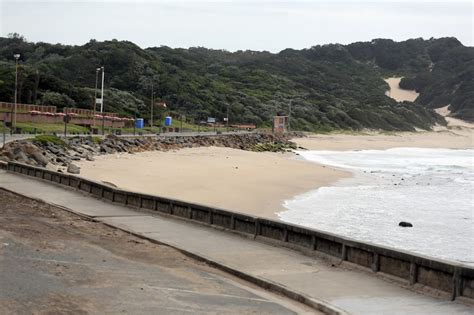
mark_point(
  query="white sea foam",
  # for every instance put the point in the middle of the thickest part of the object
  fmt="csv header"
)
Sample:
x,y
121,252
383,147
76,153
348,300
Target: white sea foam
x,y
431,188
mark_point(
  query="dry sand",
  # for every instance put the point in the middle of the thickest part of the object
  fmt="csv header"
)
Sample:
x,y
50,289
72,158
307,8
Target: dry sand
x,y
251,182
399,94
454,138
243,181
453,122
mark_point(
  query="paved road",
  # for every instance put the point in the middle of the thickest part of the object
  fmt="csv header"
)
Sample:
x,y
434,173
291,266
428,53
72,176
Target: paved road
x,y
52,261
5,138
356,292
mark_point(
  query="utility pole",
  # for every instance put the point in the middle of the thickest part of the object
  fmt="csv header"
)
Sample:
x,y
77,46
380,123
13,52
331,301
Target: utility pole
x,y
227,118
134,119
16,56
102,99
151,105
289,116
95,96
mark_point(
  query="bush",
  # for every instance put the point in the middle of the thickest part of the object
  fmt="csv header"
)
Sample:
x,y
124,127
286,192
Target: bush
x,y
45,139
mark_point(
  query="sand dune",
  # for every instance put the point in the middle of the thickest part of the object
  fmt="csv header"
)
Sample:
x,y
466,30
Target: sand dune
x,y
453,122
399,94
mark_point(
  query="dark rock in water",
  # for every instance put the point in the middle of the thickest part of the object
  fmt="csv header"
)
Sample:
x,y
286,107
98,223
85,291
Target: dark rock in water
x,y
405,224
73,169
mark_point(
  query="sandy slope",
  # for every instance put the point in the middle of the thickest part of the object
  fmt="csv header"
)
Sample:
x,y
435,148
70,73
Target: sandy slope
x,y
453,122
399,94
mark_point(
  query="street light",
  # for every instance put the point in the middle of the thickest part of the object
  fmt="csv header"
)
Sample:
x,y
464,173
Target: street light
x,y
227,118
95,95
153,93
16,56
289,115
102,96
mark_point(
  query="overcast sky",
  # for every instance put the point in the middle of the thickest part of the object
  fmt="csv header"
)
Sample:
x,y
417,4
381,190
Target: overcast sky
x,y
235,25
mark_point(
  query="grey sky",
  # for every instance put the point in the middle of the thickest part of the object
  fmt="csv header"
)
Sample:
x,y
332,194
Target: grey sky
x,y
233,25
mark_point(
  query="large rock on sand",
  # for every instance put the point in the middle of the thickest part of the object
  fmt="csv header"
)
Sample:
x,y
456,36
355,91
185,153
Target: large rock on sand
x,y
40,158
73,169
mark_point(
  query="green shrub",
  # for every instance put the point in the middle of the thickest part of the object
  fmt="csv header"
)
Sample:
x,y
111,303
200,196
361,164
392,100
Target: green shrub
x,y
44,139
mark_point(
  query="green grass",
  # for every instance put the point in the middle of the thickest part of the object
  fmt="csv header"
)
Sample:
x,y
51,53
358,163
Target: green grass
x,y
97,140
50,128
49,139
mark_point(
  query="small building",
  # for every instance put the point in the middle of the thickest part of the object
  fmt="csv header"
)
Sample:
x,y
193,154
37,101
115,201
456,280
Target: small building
x,y
280,124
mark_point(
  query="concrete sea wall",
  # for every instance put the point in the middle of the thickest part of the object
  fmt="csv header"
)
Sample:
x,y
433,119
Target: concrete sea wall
x,y
418,271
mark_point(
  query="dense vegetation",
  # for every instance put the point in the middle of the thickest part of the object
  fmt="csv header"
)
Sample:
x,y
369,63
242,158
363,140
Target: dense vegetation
x,y
330,86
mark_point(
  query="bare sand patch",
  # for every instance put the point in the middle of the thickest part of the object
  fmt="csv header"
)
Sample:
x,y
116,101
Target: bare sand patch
x,y
453,122
460,138
255,183
399,94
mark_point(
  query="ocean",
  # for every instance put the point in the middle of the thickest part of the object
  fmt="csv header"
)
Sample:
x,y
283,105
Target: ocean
x,y
431,188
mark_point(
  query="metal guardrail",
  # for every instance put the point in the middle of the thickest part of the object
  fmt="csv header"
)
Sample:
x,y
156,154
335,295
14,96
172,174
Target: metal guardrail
x,y
455,279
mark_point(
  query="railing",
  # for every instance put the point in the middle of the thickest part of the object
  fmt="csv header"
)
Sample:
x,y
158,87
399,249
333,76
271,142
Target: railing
x,y
454,279
27,107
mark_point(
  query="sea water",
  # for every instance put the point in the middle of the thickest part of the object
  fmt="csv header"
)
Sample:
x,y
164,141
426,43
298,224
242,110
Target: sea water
x,y
431,188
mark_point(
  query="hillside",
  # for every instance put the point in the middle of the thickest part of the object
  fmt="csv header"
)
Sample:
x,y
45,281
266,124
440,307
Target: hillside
x,y
331,86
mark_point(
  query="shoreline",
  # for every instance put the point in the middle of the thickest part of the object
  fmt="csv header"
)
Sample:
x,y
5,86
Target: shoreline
x,y
253,183
385,190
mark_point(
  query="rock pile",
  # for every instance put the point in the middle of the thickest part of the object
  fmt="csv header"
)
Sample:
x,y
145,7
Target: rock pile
x,y
59,155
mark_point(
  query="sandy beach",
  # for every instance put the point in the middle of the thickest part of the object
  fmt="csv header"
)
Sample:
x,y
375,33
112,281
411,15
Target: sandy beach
x,y
251,182
456,138
243,181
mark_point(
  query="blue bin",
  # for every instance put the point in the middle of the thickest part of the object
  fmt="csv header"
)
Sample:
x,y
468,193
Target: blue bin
x,y
168,121
139,123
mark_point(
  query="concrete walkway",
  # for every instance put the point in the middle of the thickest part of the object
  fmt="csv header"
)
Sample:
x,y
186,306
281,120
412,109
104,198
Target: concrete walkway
x,y
356,292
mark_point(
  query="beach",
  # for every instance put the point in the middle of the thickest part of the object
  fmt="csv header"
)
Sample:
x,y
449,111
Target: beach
x,y
441,137
255,183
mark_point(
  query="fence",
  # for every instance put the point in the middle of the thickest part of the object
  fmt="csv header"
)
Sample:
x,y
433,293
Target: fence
x,y
26,107
454,279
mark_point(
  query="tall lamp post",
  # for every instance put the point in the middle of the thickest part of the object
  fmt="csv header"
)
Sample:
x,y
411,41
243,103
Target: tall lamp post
x,y
102,99
95,95
16,56
227,118
289,116
151,105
